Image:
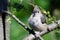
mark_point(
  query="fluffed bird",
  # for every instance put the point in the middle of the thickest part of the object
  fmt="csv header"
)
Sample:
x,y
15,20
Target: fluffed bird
x,y
37,20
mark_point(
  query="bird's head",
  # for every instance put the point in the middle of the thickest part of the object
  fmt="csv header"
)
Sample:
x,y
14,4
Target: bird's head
x,y
36,11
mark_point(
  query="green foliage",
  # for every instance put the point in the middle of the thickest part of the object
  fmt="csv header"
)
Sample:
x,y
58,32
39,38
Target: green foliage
x,y
17,32
44,4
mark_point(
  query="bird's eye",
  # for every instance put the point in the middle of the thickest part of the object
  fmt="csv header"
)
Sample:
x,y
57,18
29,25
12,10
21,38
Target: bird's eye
x,y
38,11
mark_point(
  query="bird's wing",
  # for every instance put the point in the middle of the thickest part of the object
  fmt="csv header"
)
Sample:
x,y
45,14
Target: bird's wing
x,y
43,19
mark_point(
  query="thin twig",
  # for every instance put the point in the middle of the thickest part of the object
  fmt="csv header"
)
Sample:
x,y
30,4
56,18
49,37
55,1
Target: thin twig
x,y
51,27
21,23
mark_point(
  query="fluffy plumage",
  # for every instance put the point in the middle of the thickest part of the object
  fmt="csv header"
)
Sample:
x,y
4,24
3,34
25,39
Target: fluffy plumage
x,y
37,20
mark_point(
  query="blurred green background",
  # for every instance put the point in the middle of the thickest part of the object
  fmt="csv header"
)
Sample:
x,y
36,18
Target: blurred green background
x,y
23,10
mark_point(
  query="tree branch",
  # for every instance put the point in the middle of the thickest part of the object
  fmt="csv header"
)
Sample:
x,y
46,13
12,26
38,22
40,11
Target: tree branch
x,y
51,27
21,23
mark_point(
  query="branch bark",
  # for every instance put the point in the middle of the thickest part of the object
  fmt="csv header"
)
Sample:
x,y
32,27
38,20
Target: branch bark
x,y
51,27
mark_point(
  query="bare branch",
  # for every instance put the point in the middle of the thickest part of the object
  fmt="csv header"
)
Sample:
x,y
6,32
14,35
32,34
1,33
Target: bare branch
x,y
21,23
14,17
51,27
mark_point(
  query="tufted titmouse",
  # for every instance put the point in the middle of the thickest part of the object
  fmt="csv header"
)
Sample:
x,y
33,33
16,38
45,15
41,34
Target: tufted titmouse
x,y
37,20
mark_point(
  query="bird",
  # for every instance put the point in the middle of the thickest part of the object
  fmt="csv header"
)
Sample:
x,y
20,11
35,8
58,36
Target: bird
x,y
37,20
